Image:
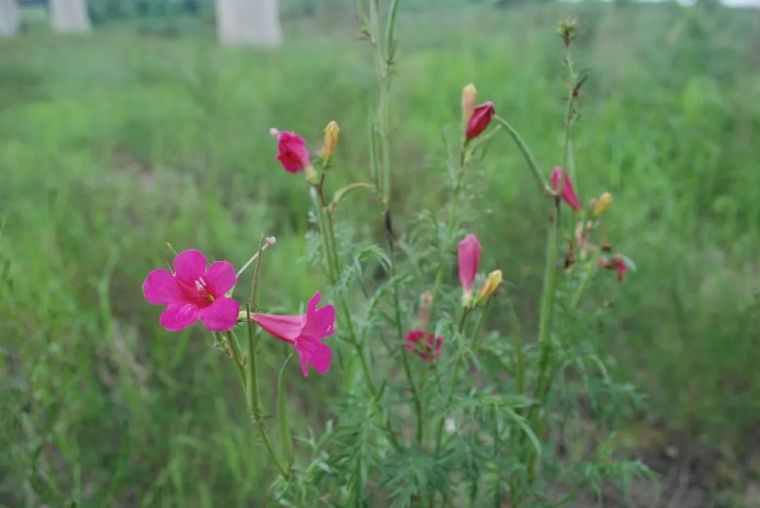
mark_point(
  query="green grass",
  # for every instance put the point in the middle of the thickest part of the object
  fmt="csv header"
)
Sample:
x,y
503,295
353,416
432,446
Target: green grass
x,y
112,144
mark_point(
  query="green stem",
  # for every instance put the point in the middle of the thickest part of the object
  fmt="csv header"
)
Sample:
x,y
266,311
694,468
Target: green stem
x,y
519,361
454,381
234,348
527,154
483,318
548,294
584,284
252,391
329,246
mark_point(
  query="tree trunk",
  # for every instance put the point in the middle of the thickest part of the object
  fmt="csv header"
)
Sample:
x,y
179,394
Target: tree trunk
x,y
8,18
69,16
248,22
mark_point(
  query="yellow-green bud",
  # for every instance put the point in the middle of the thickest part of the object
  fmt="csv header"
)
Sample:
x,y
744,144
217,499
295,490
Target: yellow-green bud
x,y
602,204
332,133
491,285
469,96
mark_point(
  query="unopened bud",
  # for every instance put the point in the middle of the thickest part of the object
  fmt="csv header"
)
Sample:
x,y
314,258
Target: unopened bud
x,y
602,204
332,133
491,285
426,301
569,29
469,96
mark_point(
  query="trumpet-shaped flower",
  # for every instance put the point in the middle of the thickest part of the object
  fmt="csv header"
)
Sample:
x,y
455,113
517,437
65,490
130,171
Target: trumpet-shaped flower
x,y
425,344
194,291
291,151
469,258
562,184
304,332
479,120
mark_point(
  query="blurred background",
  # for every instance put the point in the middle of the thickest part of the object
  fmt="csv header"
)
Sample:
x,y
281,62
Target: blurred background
x,y
147,125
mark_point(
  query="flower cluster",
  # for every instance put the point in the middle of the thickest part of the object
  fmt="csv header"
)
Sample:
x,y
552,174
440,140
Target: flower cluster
x,y
196,291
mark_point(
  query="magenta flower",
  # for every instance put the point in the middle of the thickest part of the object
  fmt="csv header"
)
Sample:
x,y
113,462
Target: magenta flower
x,y
567,192
291,151
194,291
425,344
304,332
479,120
469,258
618,263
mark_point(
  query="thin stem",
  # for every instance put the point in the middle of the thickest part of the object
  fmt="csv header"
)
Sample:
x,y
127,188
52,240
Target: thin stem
x,y
333,268
548,294
483,319
569,112
584,284
234,350
407,370
519,362
529,158
269,241
256,279
252,393
454,380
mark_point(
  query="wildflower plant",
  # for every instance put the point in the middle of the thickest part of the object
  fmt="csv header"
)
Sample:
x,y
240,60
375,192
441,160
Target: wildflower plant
x,y
435,402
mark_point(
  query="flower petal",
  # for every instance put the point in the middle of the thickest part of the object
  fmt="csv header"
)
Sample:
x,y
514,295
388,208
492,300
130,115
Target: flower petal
x,y
160,288
220,315
178,316
320,323
560,177
189,265
220,278
283,327
314,353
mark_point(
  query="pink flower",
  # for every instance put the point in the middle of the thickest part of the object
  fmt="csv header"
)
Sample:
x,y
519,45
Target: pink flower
x,y
469,257
194,291
291,151
616,262
479,120
567,193
304,332
425,344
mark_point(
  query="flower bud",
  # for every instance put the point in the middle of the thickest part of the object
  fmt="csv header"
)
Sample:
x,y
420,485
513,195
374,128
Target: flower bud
x,y
568,29
564,188
291,151
602,204
332,132
469,94
491,285
479,120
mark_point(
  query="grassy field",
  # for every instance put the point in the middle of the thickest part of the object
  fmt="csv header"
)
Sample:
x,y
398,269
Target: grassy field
x,y
112,144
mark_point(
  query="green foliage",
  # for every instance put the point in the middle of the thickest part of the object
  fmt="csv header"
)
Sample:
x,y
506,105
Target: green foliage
x,y
111,145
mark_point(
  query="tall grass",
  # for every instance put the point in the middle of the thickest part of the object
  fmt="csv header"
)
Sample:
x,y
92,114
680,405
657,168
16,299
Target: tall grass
x,y
111,145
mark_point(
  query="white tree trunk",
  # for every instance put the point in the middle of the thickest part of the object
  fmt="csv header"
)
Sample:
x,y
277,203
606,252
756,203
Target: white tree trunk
x,y
248,22
8,18
69,16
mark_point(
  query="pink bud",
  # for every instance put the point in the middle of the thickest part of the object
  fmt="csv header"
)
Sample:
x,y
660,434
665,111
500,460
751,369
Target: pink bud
x,y
291,151
469,258
479,120
567,191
